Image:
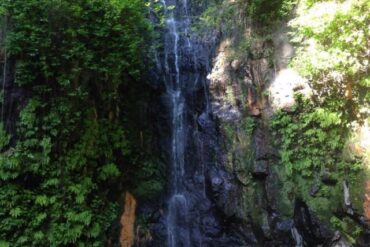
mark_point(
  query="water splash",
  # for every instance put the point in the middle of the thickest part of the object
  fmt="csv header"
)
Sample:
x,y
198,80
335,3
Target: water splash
x,y
178,231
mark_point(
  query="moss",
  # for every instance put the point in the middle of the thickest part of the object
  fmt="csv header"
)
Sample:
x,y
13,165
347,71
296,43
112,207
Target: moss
x,y
254,202
230,96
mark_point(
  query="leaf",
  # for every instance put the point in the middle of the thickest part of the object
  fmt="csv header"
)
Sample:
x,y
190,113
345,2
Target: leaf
x,y
41,200
16,212
109,171
4,244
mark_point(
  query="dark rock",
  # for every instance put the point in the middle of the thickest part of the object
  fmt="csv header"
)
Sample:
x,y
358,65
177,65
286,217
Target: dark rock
x,y
260,144
314,190
204,121
312,230
261,169
363,240
337,241
159,232
210,227
284,226
211,211
282,233
223,192
272,188
216,183
328,179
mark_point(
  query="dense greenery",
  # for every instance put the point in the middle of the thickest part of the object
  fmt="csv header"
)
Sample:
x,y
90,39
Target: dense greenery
x,y
311,142
231,16
76,58
263,12
333,53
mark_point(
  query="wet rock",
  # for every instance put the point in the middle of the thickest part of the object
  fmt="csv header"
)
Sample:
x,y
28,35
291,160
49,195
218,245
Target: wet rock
x,y
159,234
314,190
284,226
260,144
223,192
312,230
203,120
210,227
363,240
217,186
281,232
260,169
337,241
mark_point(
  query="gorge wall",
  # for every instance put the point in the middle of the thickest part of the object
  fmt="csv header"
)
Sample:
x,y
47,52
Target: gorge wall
x,y
235,78
185,123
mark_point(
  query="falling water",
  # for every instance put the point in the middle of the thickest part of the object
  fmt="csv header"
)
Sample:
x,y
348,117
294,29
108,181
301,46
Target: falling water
x,y
177,225
347,198
297,237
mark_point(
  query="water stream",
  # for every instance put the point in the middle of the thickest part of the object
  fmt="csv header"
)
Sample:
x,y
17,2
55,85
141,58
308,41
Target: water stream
x,y
177,226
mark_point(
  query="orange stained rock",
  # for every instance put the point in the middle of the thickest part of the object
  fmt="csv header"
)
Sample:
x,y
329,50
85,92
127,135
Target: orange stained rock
x,y
127,235
252,105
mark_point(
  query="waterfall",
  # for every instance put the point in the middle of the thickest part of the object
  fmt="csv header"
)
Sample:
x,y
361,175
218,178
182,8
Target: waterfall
x,y
182,65
347,198
297,237
177,225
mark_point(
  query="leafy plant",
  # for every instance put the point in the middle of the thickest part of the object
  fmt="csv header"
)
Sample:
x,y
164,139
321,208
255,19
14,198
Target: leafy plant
x,y
75,58
311,142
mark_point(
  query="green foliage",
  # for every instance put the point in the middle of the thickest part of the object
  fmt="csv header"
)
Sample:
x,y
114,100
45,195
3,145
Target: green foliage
x,y
268,11
149,180
332,53
347,228
332,41
58,182
227,15
218,15
249,125
4,137
241,49
311,142
311,139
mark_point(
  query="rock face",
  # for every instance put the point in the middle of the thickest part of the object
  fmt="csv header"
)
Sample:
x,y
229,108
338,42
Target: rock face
x,y
198,209
224,185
